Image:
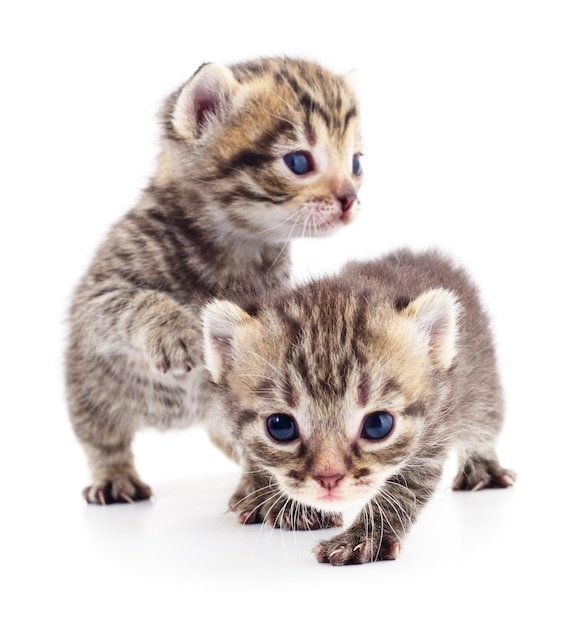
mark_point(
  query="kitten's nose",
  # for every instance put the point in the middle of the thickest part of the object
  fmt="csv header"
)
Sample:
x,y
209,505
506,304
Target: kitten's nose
x,y
347,201
328,481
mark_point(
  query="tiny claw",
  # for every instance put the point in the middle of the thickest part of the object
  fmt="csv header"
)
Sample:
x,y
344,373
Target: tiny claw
x,y
508,479
163,366
479,485
393,551
337,551
245,517
359,547
101,497
126,497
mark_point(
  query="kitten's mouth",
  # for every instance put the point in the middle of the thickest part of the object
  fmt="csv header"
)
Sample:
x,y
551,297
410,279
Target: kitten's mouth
x,y
328,226
324,217
325,223
331,496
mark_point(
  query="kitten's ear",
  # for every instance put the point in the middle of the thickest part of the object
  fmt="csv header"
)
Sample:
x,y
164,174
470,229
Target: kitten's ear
x,y
204,98
435,314
221,320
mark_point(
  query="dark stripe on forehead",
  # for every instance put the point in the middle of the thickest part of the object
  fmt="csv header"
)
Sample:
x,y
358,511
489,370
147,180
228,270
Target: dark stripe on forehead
x,y
311,107
359,330
390,386
306,373
296,356
284,77
290,395
259,153
265,386
363,391
349,115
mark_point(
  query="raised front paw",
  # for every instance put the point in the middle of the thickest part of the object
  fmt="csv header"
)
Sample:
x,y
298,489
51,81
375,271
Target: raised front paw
x,y
358,545
171,346
117,488
477,473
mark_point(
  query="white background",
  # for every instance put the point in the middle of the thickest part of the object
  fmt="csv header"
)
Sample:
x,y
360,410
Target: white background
x,y
473,120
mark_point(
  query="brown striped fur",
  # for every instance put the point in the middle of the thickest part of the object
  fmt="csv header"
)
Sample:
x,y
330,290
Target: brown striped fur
x,y
215,221
406,335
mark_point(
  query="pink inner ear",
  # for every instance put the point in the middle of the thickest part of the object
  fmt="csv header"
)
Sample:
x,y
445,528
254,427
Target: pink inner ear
x,y
438,332
223,345
204,107
208,97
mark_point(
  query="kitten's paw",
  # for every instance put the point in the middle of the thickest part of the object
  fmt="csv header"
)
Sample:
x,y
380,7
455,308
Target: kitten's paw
x,y
290,516
357,546
250,496
171,347
294,516
121,488
257,502
480,474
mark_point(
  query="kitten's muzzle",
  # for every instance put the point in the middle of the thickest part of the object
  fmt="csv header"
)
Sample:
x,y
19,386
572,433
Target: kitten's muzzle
x,y
347,201
328,481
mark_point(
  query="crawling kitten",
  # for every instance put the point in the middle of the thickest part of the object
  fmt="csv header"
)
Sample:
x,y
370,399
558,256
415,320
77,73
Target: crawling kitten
x,y
351,391
252,155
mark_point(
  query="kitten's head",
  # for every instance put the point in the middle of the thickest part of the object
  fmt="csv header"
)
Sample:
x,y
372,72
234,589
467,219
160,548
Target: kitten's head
x,y
274,142
332,391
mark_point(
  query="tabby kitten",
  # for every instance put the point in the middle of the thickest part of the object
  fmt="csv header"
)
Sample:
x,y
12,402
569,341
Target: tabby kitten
x,y
252,155
351,391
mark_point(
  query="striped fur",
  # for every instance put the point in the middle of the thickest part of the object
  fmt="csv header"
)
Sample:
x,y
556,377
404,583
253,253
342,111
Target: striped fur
x,y
215,221
406,335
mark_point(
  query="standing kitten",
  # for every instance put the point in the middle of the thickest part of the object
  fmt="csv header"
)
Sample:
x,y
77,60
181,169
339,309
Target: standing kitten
x,y
252,155
351,391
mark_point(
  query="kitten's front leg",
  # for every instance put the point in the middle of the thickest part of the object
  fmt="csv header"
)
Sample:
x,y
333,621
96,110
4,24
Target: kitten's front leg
x,y
166,332
381,526
107,392
258,499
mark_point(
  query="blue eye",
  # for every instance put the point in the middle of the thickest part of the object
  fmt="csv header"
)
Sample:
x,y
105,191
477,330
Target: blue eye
x,y
377,425
282,427
299,162
357,170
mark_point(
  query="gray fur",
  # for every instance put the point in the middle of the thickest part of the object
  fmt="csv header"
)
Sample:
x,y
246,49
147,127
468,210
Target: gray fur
x,y
406,335
215,221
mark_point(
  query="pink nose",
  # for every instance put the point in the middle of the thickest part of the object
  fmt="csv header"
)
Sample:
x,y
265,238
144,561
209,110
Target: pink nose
x,y
328,481
346,201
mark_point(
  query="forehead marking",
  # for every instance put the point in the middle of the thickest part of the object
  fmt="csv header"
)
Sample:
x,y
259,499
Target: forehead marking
x,y
310,134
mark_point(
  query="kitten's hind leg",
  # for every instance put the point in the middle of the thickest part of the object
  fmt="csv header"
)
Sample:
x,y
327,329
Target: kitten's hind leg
x,y
258,500
480,470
